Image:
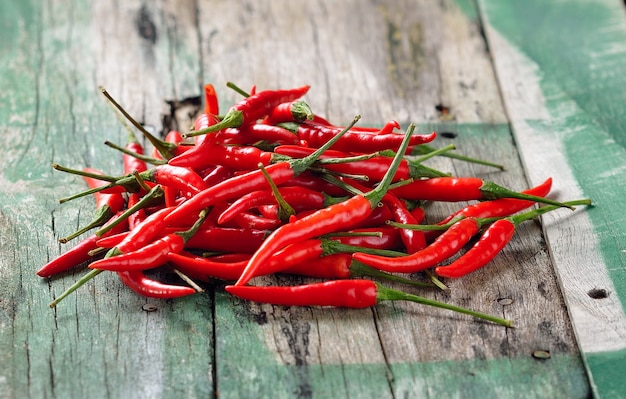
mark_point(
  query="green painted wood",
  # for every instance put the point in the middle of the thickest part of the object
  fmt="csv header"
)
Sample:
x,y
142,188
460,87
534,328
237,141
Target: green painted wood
x,y
154,57
570,60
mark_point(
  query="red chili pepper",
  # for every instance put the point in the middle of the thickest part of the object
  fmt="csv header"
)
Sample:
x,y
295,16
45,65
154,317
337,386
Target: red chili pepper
x,y
203,269
501,207
353,293
486,248
78,254
414,240
447,244
299,197
138,282
255,132
234,187
253,108
455,189
292,111
317,135
223,239
211,103
193,158
150,256
337,217
179,178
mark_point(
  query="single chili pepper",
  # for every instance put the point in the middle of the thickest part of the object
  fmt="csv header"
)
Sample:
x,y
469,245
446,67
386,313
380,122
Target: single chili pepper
x,y
380,237
150,256
204,269
253,108
138,282
292,111
501,207
211,103
336,217
231,156
234,187
224,239
315,183
352,293
316,135
255,132
134,164
174,138
247,220
447,244
194,157
302,198
455,189
216,174
145,232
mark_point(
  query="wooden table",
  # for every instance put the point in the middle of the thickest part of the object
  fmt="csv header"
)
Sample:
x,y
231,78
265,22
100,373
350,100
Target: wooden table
x,y
535,85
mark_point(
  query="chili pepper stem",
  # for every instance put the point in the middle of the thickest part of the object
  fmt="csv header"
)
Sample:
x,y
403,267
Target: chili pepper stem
x,y
110,179
103,214
141,157
376,195
358,269
187,234
234,118
285,211
167,150
92,273
388,294
155,194
425,149
491,190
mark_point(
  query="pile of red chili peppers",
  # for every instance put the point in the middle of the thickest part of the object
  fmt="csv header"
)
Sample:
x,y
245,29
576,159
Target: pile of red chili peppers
x,y
272,187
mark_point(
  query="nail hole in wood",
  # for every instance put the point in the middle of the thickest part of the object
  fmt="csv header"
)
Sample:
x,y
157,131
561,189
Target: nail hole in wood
x,y
541,354
598,293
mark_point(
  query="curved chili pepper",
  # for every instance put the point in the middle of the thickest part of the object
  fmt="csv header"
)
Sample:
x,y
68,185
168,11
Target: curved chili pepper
x,y
253,108
149,256
179,178
301,198
211,103
292,111
455,189
486,248
389,127
414,240
231,156
336,217
194,157
204,269
234,187
216,174
317,135
353,293
501,207
138,282
447,244
255,132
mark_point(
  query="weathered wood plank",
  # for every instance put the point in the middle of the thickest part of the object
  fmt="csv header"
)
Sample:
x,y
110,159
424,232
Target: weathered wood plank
x,y
562,80
384,60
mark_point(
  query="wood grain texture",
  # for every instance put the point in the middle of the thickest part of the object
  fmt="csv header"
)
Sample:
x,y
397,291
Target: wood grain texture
x,y
381,59
562,96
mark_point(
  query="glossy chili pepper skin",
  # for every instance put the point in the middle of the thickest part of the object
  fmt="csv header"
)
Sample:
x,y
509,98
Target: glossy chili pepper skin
x,y
204,269
255,132
226,239
316,135
292,111
493,240
75,256
501,207
262,103
446,245
334,266
147,287
336,217
414,240
338,293
148,257
299,197
448,189
179,178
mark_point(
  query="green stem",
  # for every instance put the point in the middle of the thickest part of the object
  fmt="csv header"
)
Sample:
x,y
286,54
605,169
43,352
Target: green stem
x,y
234,118
356,158
188,234
154,195
285,211
491,191
376,195
141,157
358,269
102,215
85,173
238,89
93,273
388,294
302,164
167,150
423,149
301,111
